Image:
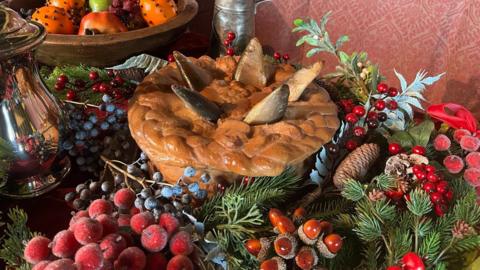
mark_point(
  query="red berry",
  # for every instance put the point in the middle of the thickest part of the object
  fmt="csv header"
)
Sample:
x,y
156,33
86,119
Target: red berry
x,y
37,249
432,177
442,186
93,75
169,223
103,88
351,118
429,187
372,116
71,95
109,224
231,36
277,56
124,198
64,244
351,145
417,168
419,150
171,58
123,220
448,195
59,86
472,175
89,257
41,265
156,261
180,262
382,88
392,105
131,258
473,160
230,51
286,57
141,221
100,206
359,131
359,110
392,91
154,238
76,217
96,87
119,80
430,168
459,133
181,243
421,175
436,197
117,94
412,261
469,143
111,246
87,230
442,143
134,211
61,264
110,73
380,105
394,268
227,42
347,105
394,148
394,194
453,163
63,79
439,209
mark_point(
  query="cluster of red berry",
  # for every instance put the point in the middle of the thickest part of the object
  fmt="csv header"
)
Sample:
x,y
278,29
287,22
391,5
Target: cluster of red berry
x,y
371,119
279,57
470,156
410,261
295,243
228,43
115,86
99,238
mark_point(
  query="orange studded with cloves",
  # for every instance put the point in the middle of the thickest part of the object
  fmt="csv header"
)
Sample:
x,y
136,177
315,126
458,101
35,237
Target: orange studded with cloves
x,y
54,19
156,12
67,4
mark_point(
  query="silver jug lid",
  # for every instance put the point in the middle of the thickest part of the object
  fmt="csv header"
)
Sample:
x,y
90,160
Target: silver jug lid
x,y
236,5
16,34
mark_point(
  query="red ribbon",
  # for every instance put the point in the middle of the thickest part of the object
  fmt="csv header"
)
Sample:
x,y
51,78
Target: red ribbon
x,y
454,115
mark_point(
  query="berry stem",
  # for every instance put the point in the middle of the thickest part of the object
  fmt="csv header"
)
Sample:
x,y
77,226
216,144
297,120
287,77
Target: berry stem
x,y
84,104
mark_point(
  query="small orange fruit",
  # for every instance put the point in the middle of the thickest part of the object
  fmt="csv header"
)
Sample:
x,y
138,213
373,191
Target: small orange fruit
x,y
156,12
285,225
54,19
312,228
67,4
274,214
275,263
299,213
333,242
102,22
253,246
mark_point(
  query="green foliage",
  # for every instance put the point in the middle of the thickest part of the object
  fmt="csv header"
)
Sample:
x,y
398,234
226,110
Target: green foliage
x,y
6,156
430,247
329,208
468,213
14,236
419,203
413,135
385,182
353,190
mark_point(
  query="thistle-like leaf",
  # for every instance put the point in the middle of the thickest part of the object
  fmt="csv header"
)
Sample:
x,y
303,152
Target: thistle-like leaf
x,y
143,61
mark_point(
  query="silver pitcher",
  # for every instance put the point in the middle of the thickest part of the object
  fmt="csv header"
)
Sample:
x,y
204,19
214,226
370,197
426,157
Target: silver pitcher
x,y
236,16
30,117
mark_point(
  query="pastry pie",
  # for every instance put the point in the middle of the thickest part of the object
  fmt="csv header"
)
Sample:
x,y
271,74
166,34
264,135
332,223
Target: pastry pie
x,y
231,117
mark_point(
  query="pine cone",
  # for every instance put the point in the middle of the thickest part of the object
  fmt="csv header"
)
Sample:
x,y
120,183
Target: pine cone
x,y
356,164
462,229
376,195
403,185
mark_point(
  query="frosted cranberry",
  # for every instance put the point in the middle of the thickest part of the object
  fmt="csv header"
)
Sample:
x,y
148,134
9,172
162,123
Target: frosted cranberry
x,y
459,133
453,163
442,143
472,175
473,160
470,143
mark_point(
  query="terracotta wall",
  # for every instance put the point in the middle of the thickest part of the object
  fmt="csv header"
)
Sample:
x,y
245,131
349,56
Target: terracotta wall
x,y
436,35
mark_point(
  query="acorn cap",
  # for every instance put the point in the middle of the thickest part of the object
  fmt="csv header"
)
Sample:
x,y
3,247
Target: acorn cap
x,y
266,244
303,251
305,239
275,263
293,241
280,263
323,249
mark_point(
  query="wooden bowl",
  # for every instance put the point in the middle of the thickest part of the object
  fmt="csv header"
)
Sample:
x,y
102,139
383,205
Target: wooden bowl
x,y
108,50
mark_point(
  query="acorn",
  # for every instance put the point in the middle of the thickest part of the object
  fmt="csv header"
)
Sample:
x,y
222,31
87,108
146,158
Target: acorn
x,y
274,214
299,214
285,246
258,248
327,227
285,225
309,231
275,263
330,245
306,258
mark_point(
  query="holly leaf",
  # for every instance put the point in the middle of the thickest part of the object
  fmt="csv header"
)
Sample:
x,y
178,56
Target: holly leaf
x,y
421,133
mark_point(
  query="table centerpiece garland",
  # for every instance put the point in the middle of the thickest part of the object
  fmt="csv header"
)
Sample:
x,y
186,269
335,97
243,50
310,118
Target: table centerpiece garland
x,y
394,189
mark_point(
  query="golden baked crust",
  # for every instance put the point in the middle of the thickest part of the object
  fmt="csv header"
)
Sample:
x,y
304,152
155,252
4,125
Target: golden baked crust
x,y
173,136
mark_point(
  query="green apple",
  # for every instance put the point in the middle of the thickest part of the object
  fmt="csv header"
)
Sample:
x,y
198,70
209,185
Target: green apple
x,y
99,5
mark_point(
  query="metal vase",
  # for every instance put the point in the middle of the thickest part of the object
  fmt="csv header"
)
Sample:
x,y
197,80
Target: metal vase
x,y
30,117
236,16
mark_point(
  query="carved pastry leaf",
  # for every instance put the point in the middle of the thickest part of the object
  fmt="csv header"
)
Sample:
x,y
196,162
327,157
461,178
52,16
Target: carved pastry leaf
x,y
251,69
271,109
194,76
301,79
198,103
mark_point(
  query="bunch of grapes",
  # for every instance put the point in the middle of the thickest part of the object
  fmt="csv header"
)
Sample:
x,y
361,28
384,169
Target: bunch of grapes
x,y
129,12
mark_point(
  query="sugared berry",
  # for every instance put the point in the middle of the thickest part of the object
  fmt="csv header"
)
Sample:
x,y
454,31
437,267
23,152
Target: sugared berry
x,y
131,258
37,249
180,262
169,222
442,143
470,143
124,198
64,244
181,243
459,133
154,238
109,224
87,230
141,221
472,176
156,261
89,257
453,163
473,160
100,206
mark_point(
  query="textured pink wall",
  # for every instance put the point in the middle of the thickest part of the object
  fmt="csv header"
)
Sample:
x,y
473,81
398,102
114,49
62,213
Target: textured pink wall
x,y
437,35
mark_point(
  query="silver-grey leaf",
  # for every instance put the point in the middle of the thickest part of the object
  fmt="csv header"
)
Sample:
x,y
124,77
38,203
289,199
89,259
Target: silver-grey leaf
x,y
144,61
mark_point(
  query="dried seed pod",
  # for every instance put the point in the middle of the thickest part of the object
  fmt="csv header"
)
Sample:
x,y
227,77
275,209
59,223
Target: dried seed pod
x,y
356,164
306,258
285,246
309,231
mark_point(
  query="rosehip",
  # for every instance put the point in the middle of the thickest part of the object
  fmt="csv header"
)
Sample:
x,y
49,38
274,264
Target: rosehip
x,y
419,150
442,143
359,110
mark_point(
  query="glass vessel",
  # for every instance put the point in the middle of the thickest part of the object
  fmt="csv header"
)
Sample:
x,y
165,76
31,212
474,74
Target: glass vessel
x,y
30,117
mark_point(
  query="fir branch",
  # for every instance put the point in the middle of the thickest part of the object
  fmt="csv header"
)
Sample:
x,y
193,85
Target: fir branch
x,y
329,208
15,235
371,256
353,190
401,241
367,227
385,182
466,244
430,247
467,209
344,221
419,203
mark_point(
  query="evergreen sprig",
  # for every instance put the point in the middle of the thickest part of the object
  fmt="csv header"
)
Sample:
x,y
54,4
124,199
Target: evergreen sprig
x,y
14,237
6,157
353,190
419,203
